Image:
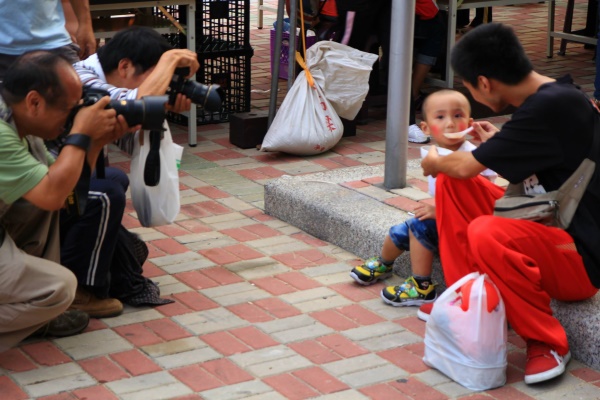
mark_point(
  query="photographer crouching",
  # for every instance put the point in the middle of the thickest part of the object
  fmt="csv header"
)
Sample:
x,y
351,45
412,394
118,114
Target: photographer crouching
x,y
136,63
38,93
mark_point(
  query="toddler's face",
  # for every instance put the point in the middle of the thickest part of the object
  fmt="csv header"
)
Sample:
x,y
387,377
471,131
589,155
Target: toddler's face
x,y
447,113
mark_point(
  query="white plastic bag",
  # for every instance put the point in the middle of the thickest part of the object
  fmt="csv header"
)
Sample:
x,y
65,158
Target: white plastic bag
x,y
465,336
155,205
305,124
343,74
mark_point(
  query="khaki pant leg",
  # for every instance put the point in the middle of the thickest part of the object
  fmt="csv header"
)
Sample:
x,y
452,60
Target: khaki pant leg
x,y
32,292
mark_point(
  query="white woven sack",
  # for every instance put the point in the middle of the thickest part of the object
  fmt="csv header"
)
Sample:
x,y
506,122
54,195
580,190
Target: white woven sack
x,y
469,345
305,124
343,74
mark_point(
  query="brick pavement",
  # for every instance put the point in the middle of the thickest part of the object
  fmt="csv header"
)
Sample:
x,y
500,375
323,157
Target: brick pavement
x,y
264,310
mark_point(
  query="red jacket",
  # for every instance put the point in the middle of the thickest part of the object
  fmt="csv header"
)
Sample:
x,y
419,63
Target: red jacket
x,y
426,9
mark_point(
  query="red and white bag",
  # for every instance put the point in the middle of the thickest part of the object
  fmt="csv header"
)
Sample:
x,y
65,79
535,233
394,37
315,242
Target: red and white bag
x,y
305,124
465,336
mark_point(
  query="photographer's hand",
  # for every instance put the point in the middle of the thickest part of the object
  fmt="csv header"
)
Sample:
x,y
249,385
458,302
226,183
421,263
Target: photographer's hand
x,y
182,104
96,120
158,81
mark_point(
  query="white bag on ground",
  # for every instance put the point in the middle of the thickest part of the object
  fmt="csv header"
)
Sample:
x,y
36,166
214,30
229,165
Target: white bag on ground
x,y
465,336
155,205
305,124
343,74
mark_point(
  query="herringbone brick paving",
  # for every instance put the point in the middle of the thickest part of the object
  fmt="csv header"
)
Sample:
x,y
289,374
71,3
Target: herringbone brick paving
x,y
263,310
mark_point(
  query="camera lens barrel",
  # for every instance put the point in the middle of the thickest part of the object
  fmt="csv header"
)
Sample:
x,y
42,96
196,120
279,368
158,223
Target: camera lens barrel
x,y
149,111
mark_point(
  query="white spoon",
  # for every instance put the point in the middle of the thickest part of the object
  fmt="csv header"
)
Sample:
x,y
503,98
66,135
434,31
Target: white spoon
x,y
458,135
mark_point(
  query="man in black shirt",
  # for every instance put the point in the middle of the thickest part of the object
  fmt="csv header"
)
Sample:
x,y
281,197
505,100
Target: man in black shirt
x,y
544,142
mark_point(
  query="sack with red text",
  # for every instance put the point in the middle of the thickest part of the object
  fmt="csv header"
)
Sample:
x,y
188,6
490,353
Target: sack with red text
x,y
305,124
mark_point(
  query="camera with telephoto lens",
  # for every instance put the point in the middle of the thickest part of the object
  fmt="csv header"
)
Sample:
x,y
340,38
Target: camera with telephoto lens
x,y
149,111
209,97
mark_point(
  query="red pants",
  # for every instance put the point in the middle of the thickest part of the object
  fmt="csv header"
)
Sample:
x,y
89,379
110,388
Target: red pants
x,y
530,263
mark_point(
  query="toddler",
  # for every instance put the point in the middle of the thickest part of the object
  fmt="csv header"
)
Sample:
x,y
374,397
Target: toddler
x,y
444,112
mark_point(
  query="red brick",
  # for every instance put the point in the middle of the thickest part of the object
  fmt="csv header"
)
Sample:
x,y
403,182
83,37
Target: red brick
x,y
170,246
374,180
413,324
167,329
257,215
334,320
416,348
586,374
135,362
314,351
212,192
262,230
195,301
60,396
240,234
196,280
292,260
252,174
308,239
250,312
172,230
274,286
514,375
328,163
270,172
316,257
10,390
360,315
151,271
224,154
129,222
508,393
242,251
417,389
320,380
213,207
138,335
219,256
299,280
402,203
221,275
517,358
154,252
196,378
15,361
226,371
384,391
45,353
194,211
290,387
356,293
419,184
253,337
102,369
95,325
277,307
94,393
404,359
172,309
225,343
342,345
194,226
346,161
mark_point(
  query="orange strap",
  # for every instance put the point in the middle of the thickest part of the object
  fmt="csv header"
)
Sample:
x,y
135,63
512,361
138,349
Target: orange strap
x,y
299,57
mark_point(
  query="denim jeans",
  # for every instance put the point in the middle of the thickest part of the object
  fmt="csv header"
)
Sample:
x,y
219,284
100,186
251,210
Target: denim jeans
x,y
424,231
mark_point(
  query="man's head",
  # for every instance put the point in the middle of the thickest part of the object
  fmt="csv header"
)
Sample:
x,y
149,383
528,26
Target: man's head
x,y
131,55
493,51
491,62
446,111
41,88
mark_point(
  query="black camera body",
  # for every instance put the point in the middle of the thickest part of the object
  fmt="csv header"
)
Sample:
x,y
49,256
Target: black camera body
x,y
208,96
149,111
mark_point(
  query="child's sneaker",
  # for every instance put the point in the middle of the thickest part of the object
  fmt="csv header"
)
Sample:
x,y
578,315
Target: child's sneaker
x,y
371,271
543,362
408,294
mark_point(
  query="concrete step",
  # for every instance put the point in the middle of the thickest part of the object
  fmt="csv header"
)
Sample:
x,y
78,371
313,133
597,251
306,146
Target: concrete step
x,y
358,223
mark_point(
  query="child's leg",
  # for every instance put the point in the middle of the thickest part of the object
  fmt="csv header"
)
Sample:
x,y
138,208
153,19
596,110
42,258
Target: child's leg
x,y
417,289
378,268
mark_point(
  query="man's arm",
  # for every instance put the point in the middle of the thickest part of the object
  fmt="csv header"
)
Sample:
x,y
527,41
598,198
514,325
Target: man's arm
x,y
459,164
85,32
159,79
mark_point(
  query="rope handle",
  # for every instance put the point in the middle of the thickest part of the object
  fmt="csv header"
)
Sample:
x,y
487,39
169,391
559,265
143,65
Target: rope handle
x,y
299,57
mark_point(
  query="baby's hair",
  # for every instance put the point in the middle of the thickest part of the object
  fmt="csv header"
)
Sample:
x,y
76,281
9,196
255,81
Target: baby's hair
x,y
438,93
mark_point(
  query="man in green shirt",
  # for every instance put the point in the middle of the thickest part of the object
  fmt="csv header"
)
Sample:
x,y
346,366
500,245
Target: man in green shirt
x,y
38,93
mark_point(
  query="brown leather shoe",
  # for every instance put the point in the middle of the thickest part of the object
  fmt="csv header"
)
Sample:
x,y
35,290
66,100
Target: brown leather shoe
x,y
95,307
